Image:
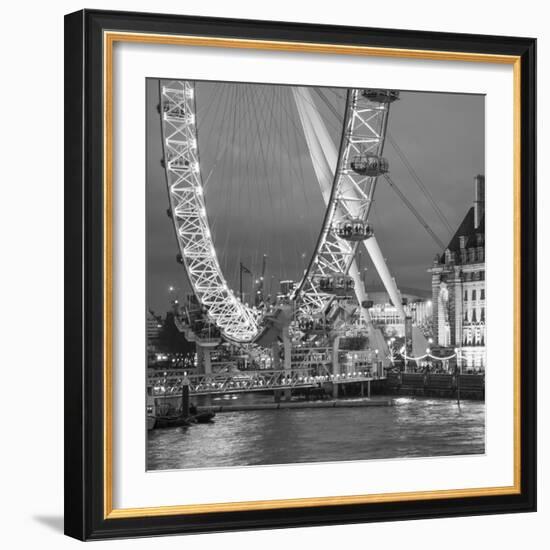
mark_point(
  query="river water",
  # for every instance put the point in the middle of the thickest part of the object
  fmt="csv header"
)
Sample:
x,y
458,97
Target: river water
x,y
413,427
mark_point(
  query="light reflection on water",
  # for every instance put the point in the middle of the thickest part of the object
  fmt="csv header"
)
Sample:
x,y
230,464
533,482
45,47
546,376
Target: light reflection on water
x,y
413,427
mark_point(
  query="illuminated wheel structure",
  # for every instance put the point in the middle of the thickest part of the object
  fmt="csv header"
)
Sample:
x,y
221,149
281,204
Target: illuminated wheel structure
x,y
236,321
358,166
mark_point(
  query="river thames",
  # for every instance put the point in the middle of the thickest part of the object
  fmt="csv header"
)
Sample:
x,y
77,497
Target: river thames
x,y
413,427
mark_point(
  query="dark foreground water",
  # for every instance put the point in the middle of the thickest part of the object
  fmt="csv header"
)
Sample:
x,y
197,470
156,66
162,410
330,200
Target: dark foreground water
x,y
414,427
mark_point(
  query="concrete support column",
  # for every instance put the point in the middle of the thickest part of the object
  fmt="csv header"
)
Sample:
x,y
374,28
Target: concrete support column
x,y
207,361
203,359
287,349
200,358
185,398
335,365
276,364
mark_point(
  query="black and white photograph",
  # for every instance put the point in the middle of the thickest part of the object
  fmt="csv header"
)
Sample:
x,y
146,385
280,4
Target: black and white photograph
x,y
315,274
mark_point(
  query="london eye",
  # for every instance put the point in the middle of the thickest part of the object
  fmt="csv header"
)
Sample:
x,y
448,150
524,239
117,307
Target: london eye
x,y
345,176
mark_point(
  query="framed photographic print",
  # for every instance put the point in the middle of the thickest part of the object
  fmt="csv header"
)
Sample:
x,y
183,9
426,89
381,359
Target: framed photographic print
x,y
300,274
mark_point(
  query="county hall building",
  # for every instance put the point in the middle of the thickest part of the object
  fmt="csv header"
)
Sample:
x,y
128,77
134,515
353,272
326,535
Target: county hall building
x,y
458,288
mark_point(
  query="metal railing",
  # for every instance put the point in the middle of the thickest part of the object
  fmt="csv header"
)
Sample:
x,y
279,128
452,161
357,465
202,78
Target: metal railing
x,y
247,381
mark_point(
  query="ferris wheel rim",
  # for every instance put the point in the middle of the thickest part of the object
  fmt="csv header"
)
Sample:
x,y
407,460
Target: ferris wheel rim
x,y
240,335
348,142
328,210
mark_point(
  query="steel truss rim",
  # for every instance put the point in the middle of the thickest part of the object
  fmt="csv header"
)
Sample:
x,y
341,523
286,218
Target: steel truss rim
x,y
307,290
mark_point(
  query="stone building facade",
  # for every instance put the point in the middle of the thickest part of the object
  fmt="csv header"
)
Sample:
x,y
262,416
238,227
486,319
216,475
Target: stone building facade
x,y
458,287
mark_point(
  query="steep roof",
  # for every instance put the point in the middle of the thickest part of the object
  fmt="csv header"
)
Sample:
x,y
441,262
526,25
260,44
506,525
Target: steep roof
x,y
467,229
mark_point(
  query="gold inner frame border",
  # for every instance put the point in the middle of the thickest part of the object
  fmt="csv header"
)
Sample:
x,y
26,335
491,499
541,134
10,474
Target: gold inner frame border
x,y
109,40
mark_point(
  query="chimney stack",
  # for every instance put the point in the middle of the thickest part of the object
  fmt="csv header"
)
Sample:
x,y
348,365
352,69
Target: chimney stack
x,y
479,199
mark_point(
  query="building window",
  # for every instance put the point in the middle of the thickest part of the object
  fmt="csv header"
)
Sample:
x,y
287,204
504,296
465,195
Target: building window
x,y
465,295
482,318
480,254
482,294
473,295
474,316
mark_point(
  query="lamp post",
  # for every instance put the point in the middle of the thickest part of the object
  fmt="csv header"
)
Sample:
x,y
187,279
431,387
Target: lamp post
x,y
459,359
428,352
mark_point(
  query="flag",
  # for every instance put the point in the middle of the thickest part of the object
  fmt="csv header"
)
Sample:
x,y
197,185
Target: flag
x,y
245,269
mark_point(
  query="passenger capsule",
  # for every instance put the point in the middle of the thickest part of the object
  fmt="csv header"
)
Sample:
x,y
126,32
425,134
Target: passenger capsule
x,y
370,165
313,325
380,96
177,162
179,259
354,229
172,110
340,285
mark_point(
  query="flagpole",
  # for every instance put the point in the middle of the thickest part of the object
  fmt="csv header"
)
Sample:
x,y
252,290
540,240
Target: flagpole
x,y
241,281
246,270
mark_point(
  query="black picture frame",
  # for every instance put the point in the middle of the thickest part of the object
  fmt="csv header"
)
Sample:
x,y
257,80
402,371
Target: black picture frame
x,y
85,493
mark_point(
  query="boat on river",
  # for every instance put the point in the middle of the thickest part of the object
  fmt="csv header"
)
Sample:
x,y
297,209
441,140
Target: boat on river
x,y
179,421
203,417
169,413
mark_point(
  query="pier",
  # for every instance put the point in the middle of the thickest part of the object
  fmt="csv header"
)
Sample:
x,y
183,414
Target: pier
x,y
468,386
169,383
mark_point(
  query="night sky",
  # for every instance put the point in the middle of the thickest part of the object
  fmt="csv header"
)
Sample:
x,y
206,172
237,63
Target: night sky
x,y
262,196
